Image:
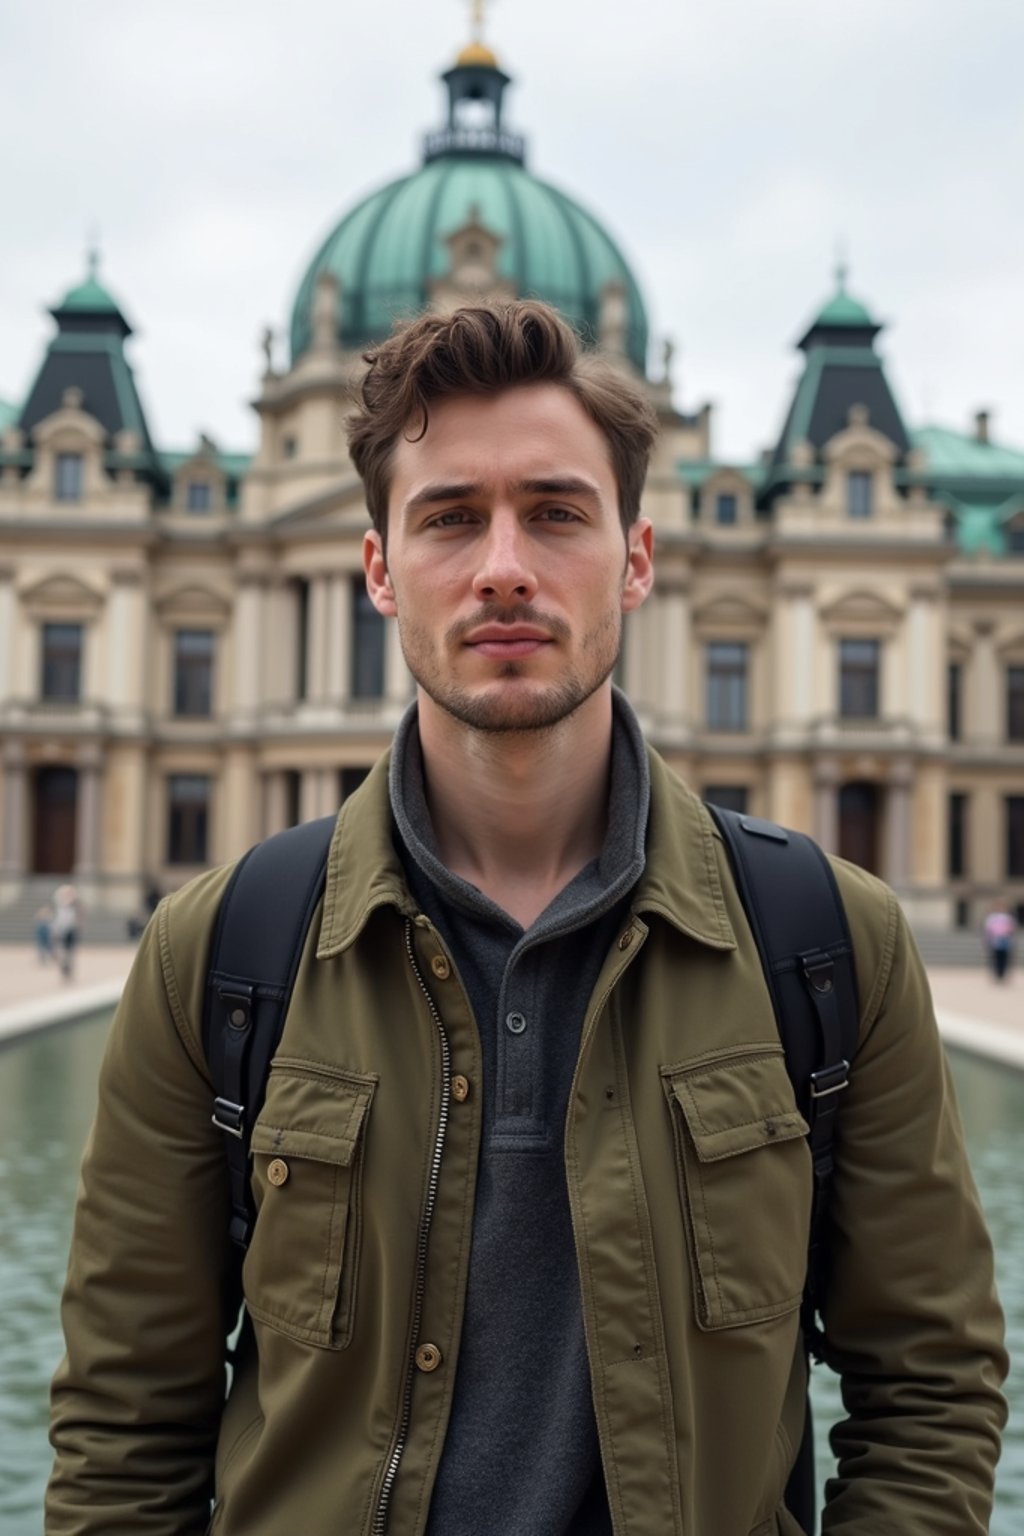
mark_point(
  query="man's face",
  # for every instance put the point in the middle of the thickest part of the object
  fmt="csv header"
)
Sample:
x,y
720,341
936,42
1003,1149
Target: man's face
x,y
507,567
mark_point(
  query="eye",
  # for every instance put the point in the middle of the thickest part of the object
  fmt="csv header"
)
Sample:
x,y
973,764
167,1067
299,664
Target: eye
x,y
560,515
452,519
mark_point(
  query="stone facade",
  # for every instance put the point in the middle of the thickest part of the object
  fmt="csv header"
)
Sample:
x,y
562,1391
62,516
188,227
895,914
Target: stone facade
x,y
188,661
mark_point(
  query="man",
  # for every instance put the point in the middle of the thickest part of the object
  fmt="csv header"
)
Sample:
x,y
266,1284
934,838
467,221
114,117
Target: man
x,y
505,1277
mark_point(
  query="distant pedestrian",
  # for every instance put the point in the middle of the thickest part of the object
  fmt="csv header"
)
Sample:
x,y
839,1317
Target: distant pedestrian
x,y
1000,928
65,927
43,934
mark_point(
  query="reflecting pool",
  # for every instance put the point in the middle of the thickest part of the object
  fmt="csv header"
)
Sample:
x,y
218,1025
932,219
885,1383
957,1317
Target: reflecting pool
x,y
47,1096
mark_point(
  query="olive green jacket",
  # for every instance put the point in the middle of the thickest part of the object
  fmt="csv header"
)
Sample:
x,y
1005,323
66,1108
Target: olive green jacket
x,y
689,1182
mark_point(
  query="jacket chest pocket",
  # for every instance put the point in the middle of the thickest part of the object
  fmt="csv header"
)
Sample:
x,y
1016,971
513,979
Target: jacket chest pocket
x,y
745,1185
299,1274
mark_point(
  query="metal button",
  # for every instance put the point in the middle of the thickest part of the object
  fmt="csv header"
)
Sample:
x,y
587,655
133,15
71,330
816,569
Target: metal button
x,y
277,1172
460,1088
440,967
515,1023
428,1357
626,939
239,1018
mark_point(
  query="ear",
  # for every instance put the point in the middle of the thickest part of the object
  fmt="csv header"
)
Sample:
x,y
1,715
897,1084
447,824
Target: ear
x,y
639,576
378,582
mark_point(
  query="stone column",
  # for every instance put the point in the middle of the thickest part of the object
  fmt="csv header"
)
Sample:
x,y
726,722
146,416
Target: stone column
x,y
7,619
674,644
799,707
275,802
88,814
318,793
897,852
316,641
15,823
126,642
826,806
926,662
248,680
281,643
982,702
339,636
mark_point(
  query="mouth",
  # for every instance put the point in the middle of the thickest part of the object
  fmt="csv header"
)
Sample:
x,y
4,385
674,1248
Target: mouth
x,y
505,642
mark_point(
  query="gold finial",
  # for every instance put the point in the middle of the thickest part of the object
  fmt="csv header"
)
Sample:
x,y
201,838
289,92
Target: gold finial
x,y
476,51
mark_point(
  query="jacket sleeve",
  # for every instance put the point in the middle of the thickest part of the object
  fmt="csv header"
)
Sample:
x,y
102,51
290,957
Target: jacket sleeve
x,y
137,1400
912,1320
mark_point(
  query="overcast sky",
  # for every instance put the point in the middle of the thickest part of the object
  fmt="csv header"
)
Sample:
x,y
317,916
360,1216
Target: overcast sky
x,y
730,147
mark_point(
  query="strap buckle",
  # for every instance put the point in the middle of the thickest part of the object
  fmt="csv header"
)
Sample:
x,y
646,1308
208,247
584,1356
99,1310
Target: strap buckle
x,y
819,972
830,1080
237,999
229,1117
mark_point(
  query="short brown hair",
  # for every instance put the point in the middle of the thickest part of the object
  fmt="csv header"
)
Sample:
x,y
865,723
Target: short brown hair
x,y
484,349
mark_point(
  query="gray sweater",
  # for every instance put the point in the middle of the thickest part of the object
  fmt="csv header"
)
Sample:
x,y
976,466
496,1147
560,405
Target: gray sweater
x,y
521,1455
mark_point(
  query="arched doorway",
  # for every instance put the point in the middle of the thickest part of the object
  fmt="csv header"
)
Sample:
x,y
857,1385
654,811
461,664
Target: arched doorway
x,y
860,825
56,805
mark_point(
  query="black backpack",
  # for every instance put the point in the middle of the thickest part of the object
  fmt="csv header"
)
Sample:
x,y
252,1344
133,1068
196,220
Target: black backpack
x,y
796,916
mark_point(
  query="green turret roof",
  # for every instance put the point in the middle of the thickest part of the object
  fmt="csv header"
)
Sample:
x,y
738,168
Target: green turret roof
x,y
982,484
90,298
8,415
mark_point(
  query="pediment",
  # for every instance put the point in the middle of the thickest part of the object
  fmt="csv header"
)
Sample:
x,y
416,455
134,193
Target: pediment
x,y
342,507
192,601
65,592
861,607
729,611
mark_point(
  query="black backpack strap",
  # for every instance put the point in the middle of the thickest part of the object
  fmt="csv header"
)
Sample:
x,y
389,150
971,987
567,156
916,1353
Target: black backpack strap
x,y
796,915
261,929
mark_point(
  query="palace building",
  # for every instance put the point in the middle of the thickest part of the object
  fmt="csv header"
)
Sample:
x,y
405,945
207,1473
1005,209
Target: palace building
x,y
189,660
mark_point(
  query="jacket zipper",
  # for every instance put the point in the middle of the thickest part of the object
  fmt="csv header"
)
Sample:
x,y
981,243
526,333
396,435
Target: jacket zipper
x,y
381,1515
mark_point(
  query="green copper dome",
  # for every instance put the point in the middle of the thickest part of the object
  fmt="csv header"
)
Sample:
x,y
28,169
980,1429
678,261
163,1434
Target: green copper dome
x,y
391,247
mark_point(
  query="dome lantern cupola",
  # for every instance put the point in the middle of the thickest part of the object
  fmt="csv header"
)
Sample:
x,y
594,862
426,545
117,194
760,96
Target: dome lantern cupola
x,y
476,91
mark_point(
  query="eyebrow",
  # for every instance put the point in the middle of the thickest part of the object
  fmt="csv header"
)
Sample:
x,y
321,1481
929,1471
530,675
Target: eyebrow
x,y
555,485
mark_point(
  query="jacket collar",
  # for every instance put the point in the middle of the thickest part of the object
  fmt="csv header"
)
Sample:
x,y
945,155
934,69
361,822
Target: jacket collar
x,y
681,880
363,870
680,883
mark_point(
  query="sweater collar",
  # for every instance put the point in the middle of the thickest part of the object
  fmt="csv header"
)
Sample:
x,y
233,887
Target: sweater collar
x,y
681,881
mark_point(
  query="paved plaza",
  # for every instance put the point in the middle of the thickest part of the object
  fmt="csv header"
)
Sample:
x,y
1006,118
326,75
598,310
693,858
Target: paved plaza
x,y
973,1009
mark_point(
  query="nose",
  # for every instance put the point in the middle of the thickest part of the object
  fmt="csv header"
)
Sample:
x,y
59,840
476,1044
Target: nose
x,y
506,570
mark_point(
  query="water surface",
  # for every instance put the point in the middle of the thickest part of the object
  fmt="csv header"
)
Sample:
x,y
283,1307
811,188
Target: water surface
x,y
47,1098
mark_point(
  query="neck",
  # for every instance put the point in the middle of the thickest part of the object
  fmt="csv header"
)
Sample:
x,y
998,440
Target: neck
x,y
518,814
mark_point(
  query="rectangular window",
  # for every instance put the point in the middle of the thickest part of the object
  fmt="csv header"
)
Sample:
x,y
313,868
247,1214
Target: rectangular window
x,y
1015,837
193,672
957,835
731,797
726,510
292,796
858,679
70,477
1015,703
62,663
188,817
1015,537
727,685
858,494
367,678
302,638
198,496
954,676
349,780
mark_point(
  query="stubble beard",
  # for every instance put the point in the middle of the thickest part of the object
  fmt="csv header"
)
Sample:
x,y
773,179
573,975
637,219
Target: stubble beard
x,y
526,710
